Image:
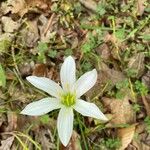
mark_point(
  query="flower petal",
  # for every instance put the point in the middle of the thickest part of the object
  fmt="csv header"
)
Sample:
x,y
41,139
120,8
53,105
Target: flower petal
x,y
67,73
85,82
41,107
65,125
89,109
46,85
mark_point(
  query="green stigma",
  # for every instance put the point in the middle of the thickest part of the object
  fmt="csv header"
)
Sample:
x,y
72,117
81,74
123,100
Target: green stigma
x,y
68,99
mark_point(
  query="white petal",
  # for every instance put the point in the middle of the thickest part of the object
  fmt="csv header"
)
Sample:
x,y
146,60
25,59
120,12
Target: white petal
x,y
46,85
67,73
85,82
89,109
41,107
65,125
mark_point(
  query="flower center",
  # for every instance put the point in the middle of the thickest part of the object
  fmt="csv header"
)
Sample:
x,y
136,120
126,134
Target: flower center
x,y
68,99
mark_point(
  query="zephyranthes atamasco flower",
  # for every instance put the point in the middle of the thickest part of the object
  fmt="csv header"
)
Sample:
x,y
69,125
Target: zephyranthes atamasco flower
x,y
66,97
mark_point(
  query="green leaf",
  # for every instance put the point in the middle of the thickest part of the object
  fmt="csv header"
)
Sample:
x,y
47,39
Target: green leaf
x,y
52,53
141,88
2,77
4,45
42,47
44,119
101,9
145,37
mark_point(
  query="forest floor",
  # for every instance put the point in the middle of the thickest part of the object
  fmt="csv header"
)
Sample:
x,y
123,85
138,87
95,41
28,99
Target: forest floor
x,y
109,35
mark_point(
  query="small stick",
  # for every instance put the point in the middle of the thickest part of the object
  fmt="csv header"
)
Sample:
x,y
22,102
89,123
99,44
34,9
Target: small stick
x,y
49,24
147,107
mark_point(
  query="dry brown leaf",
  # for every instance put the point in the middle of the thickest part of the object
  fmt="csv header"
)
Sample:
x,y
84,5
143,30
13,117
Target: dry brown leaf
x,y
140,145
21,7
18,95
16,6
40,70
9,25
12,121
75,42
120,109
73,144
140,7
146,79
103,51
30,35
90,4
41,4
126,136
25,69
107,78
45,138
146,104
137,63
144,146
6,144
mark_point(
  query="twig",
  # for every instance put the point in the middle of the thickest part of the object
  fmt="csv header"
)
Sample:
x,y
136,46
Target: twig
x,y
49,24
147,107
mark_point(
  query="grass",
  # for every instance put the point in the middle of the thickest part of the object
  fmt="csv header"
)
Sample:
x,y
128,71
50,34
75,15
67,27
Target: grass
x,y
116,25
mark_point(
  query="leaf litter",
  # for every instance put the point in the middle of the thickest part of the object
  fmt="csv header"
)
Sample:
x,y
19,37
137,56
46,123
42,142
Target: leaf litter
x,y
36,35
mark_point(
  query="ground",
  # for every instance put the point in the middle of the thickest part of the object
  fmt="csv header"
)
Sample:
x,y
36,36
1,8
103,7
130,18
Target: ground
x,y
110,35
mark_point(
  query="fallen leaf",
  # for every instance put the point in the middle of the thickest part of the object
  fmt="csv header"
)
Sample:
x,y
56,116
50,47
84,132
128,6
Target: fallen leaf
x,y
5,42
21,7
107,79
137,63
9,25
121,110
144,146
126,135
40,70
73,144
90,4
146,104
17,6
6,144
140,7
12,121
41,4
25,69
140,144
46,27
29,36
146,79
74,43
45,138
103,51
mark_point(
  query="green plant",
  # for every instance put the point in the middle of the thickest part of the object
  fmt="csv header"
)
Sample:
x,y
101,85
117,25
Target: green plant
x,y
121,87
131,72
89,45
52,53
4,45
45,119
136,107
42,49
2,77
101,9
141,88
147,123
112,143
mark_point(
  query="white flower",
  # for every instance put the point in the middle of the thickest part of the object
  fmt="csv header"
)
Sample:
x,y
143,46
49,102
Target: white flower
x,y
66,98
